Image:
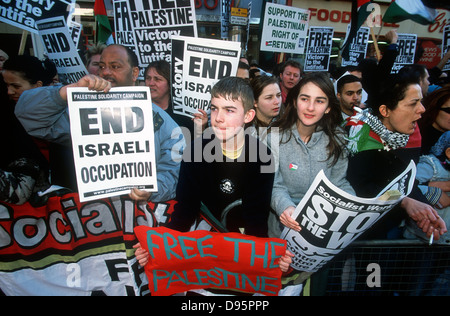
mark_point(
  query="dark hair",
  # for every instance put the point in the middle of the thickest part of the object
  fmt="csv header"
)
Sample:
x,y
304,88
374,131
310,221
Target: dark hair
x,y
433,103
346,80
261,82
234,88
352,68
162,67
32,69
134,62
132,57
392,91
253,72
329,124
292,63
369,69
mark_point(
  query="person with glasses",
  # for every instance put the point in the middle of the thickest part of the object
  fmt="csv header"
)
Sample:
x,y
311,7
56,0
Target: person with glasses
x,y
436,120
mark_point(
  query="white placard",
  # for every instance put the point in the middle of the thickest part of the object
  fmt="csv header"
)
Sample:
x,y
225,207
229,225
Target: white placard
x,y
285,29
113,141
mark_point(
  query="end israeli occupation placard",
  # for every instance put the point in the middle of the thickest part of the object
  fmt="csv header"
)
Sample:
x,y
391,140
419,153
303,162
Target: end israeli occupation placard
x,y
197,64
113,141
285,29
61,49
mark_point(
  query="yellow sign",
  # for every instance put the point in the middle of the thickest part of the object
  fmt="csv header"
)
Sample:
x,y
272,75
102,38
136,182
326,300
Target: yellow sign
x,y
239,12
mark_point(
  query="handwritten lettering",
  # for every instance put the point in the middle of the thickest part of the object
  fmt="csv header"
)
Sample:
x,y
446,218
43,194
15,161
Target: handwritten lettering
x,y
200,259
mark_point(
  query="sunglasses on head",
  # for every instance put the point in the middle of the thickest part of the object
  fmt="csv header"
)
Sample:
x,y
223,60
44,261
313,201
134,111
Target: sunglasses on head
x,y
446,110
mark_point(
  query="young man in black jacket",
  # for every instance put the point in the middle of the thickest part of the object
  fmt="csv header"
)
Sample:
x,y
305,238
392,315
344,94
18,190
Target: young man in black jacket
x,y
226,175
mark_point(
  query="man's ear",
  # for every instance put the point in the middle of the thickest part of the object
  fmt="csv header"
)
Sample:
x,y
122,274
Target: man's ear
x,y
135,73
249,116
447,153
39,84
384,111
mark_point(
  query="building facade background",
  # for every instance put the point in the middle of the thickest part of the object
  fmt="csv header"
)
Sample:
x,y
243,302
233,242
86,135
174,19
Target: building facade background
x,y
324,13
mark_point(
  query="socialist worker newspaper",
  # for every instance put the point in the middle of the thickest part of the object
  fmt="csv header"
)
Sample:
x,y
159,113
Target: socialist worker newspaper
x,y
332,219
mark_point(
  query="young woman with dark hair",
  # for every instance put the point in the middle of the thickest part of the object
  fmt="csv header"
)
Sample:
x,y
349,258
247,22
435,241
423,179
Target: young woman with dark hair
x,y
314,110
23,168
21,73
310,140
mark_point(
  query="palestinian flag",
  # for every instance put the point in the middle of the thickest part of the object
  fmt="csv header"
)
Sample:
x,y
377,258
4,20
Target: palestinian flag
x,y
360,13
417,10
104,31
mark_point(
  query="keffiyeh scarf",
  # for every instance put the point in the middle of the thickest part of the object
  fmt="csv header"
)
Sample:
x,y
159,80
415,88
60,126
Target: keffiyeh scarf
x,y
391,140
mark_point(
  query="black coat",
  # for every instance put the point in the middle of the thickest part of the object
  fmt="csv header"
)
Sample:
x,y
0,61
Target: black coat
x,y
371,171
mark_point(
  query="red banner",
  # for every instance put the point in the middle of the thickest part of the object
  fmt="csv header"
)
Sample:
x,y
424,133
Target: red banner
x,y
200,260
70,248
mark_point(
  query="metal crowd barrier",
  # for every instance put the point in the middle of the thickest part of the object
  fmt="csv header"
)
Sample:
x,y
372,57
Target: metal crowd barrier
x,y
386,268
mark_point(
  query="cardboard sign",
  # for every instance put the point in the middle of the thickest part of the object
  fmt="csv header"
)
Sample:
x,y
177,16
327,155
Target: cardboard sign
x,y
61,49
358,47
318,53
113,141
407,45
197,64
446,46
124,34
285,29
25,13
332,219
68,248
154,23
200,260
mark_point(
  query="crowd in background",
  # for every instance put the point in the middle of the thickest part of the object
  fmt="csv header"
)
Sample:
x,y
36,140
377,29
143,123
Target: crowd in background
x,y
361,125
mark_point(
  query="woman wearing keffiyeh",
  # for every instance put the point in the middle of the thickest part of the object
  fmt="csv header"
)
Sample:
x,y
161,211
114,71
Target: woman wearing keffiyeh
x,y
378,145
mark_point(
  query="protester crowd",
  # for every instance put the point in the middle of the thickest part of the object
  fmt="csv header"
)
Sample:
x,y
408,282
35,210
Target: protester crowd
x,y
361,125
